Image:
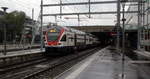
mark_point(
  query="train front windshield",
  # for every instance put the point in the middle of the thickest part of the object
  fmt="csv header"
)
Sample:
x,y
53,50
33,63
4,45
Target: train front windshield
x,y
53,34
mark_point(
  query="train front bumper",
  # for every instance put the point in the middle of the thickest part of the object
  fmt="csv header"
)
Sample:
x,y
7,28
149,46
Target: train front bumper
x,y
56,49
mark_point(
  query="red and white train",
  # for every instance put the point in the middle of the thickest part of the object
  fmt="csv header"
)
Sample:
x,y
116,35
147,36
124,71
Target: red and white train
x,y
61,40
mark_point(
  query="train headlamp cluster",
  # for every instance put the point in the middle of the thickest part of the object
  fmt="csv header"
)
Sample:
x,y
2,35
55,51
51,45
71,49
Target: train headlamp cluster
x,y
53,30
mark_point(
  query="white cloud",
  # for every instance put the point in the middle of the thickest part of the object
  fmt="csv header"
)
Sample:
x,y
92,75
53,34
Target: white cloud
x,y
22,5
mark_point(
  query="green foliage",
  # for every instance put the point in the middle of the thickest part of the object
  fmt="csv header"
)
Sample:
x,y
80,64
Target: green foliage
x,y
15,21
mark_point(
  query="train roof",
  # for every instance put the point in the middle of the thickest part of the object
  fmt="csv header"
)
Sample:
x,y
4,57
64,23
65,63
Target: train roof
x,y
69,29
72,30
77,31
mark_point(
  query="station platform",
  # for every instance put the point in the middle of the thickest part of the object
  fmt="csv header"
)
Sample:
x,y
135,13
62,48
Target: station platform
x,y
22,52
16,47
142,54
106,64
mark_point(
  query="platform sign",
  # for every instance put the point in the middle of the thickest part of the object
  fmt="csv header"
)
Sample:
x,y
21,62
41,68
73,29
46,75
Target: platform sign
x,y
115,33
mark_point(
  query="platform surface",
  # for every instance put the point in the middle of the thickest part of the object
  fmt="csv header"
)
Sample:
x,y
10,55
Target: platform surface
x,y
106,65
17,46
21,52
144,54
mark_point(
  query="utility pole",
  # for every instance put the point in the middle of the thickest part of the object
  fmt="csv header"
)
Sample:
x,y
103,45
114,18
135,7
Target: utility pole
x,y
123,39
118,25
60,8
78,20
140,25
33,28
56,20
5,31
89,8
41,25
32,13
139,30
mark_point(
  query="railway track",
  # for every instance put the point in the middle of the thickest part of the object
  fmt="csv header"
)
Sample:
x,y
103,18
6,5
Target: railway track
x,y
58,67
20,65
45,68
15,59
18,71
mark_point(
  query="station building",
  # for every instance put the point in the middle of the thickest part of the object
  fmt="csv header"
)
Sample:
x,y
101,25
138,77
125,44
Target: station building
x,y
140,22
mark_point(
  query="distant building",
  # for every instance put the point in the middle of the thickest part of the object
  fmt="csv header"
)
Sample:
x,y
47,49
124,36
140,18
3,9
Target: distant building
x,y
29,25
143,26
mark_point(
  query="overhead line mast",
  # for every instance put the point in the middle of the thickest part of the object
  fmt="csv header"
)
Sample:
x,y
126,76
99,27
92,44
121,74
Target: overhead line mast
x,y
41,25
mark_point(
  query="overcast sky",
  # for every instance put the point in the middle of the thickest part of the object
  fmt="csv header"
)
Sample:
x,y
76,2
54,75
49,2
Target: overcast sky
x,y
27,5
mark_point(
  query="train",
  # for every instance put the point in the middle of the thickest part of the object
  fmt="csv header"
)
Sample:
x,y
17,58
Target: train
x,y
63,40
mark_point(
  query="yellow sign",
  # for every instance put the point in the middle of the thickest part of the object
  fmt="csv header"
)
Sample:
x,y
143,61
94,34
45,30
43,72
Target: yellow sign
x,y
52,30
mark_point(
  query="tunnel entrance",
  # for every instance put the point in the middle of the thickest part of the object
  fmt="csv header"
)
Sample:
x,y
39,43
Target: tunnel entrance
x,y
105,38
108,38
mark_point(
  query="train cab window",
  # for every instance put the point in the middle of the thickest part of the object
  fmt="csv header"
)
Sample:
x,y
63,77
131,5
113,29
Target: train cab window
x,y
63,38
53,36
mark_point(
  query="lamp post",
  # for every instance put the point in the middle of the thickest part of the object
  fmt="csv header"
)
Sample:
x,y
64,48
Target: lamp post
x,y
123,36
118,25
5,31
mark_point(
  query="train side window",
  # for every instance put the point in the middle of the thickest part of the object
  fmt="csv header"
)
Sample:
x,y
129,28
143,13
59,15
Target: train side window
x,y
63,38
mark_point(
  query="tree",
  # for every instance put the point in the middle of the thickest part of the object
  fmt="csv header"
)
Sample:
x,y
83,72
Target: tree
x,y
14,23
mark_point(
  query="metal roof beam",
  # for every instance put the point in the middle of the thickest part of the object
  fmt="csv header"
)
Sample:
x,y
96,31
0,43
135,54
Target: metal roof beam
x,y
85,13
85,3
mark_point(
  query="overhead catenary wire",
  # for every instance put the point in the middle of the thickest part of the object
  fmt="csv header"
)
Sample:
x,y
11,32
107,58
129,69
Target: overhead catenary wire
x,y
75,8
